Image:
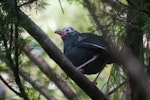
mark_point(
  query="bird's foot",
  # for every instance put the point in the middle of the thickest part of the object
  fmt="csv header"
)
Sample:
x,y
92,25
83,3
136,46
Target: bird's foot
x,y
80,70
94,82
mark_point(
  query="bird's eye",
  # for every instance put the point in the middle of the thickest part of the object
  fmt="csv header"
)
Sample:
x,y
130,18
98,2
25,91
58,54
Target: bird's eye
x,y
67,30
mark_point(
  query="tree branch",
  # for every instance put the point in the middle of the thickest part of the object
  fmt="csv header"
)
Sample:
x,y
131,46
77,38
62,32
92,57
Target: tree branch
x,y
116,88
50,73
59,58
36,85
14,65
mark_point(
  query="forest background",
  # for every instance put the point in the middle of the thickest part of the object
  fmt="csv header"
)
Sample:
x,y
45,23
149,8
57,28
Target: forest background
x,y
32,67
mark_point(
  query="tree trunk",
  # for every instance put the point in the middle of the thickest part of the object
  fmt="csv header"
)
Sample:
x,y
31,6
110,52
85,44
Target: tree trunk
x,y
134,36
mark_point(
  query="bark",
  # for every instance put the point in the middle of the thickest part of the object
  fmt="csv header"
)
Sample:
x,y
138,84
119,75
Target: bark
x,y
134,42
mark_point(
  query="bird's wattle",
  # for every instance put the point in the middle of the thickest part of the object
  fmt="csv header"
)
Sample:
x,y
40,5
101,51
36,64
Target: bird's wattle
x,y
61,33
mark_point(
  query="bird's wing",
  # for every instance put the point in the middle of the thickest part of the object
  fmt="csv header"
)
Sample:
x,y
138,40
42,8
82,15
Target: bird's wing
x,y
91,41
92,45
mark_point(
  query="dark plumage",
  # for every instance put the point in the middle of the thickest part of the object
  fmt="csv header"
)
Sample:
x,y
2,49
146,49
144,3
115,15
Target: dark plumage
x,y
79,48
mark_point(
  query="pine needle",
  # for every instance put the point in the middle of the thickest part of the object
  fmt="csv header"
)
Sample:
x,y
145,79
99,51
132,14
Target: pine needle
x,y
61,7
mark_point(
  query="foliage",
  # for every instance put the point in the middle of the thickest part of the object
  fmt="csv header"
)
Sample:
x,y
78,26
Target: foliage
x,y
98,16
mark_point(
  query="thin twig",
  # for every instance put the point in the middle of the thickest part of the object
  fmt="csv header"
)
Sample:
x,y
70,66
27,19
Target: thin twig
x,y
61,7
3,80
16,64
115,89
28,2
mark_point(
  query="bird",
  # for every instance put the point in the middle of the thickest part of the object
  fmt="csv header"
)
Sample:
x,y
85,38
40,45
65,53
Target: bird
x,y
85,50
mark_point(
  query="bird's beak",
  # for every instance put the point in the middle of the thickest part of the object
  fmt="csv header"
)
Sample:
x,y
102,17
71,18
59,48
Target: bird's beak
x,y
60,32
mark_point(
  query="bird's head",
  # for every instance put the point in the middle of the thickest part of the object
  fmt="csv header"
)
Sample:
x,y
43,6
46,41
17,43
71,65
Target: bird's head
x,y
68,31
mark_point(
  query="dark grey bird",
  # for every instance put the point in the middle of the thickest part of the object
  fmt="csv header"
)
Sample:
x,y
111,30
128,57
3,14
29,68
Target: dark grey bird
x,y
85,50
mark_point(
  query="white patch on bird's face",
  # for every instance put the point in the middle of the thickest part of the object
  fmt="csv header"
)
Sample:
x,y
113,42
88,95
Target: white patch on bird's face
x,y
69,30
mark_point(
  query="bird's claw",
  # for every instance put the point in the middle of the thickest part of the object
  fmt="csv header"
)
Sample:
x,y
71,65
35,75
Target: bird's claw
x,y
94,82
80,70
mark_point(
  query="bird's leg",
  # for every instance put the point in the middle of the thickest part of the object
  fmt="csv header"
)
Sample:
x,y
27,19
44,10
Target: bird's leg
x,y
89,61
96,78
